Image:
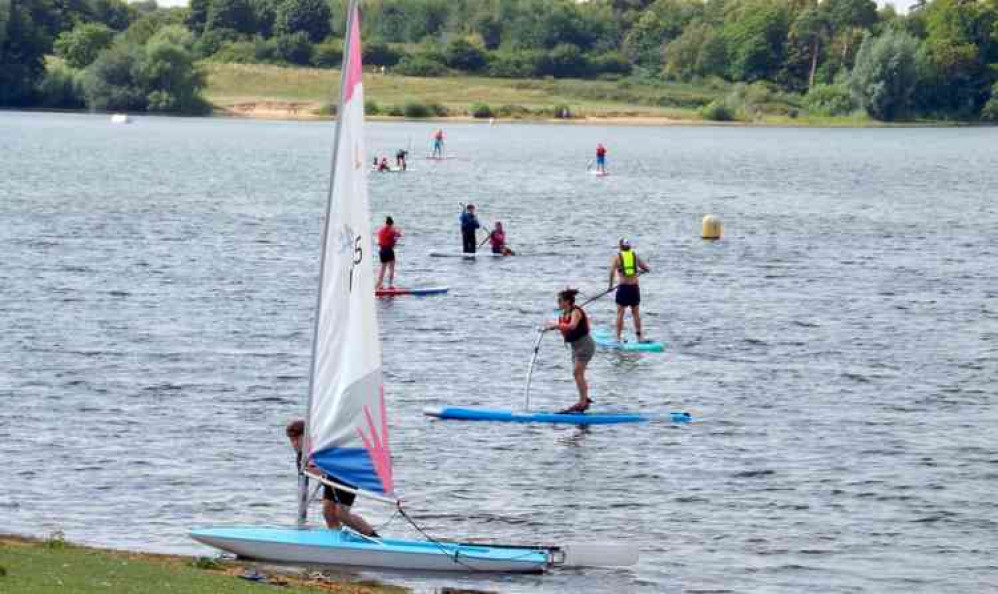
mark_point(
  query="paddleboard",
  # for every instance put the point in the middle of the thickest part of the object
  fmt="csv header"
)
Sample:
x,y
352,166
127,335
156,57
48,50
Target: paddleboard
x,y
392,170
599,173
605,339
509,416
417,292
457,254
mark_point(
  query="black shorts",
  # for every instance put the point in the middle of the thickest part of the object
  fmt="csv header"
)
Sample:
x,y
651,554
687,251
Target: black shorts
x,y
628,295
387,255
338,495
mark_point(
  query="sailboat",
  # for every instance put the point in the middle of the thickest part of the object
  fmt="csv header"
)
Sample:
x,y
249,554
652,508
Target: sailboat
x,y
346,433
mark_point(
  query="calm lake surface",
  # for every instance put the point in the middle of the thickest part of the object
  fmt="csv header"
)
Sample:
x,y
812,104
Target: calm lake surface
x,y
839,347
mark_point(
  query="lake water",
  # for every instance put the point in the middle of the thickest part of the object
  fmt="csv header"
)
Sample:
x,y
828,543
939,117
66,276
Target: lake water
x,y
839,347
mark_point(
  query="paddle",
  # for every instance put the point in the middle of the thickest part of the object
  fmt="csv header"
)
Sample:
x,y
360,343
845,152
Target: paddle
x,y
606,292
530,369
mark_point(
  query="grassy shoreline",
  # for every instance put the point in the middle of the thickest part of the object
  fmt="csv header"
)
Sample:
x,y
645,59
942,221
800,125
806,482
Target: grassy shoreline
x,y
54,565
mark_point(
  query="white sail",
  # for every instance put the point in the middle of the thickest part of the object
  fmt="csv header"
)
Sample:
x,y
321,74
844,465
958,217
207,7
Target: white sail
x,y
347,422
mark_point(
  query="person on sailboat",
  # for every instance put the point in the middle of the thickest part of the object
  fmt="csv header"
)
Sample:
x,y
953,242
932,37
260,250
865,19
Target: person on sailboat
x,y
438,144
387,236
400,158
469,224
574,326
336,503
600,158
497,237
625,267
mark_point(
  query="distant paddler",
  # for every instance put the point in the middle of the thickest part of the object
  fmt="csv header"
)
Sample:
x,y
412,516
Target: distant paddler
x,y
438,144
625,268
387,236
469,225
400,159
573,323
336,503
600,158
497,237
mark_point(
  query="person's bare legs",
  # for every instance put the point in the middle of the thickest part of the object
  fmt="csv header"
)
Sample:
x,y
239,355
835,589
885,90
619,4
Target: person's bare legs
x,y
391,274
381,277
354,521
579,372
330,515
636,314
620,320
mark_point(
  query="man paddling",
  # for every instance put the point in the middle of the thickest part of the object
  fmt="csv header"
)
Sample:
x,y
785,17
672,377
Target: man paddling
x,y
600,158
438,144
469,224
625,268
400,159
387,236
335,502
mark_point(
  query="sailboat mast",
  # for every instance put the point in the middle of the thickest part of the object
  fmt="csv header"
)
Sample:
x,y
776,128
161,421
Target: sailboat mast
x,y
306,445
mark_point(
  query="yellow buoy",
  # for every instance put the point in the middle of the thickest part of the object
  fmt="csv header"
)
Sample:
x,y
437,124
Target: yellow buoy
x,y
711,228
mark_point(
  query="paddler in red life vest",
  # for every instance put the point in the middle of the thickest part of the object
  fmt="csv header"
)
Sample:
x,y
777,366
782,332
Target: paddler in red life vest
x,y
574,326
438,144
600,158
625,267
388,236
497,237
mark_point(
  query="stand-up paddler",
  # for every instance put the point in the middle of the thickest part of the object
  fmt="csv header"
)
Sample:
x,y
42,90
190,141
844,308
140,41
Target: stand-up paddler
x,y
625,268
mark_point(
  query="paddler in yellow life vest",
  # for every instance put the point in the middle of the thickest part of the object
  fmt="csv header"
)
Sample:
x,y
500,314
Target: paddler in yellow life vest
x,y
625,268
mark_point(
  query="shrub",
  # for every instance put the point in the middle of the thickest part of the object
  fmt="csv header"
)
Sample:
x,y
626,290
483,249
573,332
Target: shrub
x,y
265,50
377,53
884,76
610,64
565,61
61,88
464,55
990,111
513,111
371,107
396,111
521,64
829,100
80,46
562,112
415,109
236,52
208,44
439,109
328,54
420,66
717,111
295,48
481,110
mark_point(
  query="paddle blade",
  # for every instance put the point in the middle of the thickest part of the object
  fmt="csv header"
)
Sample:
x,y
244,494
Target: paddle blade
x,y
600,555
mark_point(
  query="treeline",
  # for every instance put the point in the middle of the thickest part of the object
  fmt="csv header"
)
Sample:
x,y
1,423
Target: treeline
x,y
101,54
939,61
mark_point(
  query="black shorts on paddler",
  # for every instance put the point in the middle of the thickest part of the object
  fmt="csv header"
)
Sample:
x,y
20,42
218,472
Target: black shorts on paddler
x,y
628,295
338,495
387,255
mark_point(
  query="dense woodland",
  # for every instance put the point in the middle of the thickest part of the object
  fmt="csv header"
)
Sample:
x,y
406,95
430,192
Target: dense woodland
x,y
938,61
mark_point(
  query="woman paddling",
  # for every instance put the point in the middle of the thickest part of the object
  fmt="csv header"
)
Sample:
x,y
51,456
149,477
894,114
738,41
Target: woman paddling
x,y
497,237
574,326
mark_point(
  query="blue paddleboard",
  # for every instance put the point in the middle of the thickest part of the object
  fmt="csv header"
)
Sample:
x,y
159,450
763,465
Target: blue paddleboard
x,y
509,416
606,340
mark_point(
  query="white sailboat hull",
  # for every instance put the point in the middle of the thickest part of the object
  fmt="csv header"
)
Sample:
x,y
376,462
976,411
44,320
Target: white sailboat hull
x,y
337,547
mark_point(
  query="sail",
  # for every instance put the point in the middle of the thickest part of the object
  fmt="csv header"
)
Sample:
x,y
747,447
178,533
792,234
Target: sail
x,y
347,421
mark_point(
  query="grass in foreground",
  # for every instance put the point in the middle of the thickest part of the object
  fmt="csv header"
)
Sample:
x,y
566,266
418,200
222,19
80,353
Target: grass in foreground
x,y
50,566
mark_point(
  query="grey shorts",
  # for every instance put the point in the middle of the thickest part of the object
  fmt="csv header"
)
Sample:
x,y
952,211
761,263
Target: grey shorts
x,y
583,349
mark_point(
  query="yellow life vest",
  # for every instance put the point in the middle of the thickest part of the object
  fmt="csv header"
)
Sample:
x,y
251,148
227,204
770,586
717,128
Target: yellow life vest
x,y
628,263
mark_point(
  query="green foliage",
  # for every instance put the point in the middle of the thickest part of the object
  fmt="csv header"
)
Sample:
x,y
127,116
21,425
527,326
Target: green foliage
x,y
754,33
481,110
308,16
61,88
461,54
377,53
420,65
197,15
22,50
565,61
515,64
257,51
884,77
562,112
295,48
610,63
416,109
328,54
235,15
698,52
371,107
213,40
829,100
513,111
717,111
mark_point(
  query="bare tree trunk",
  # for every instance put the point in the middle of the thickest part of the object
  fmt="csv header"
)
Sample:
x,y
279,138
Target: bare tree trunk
x,y
814,62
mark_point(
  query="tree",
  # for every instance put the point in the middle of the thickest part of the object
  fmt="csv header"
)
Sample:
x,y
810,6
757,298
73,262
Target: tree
x,y
754,34
167,75
109,84
80,46
699,51
308,16
884,76
236,15
810,30
295,48
197,15
565,61
23,46
464,55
